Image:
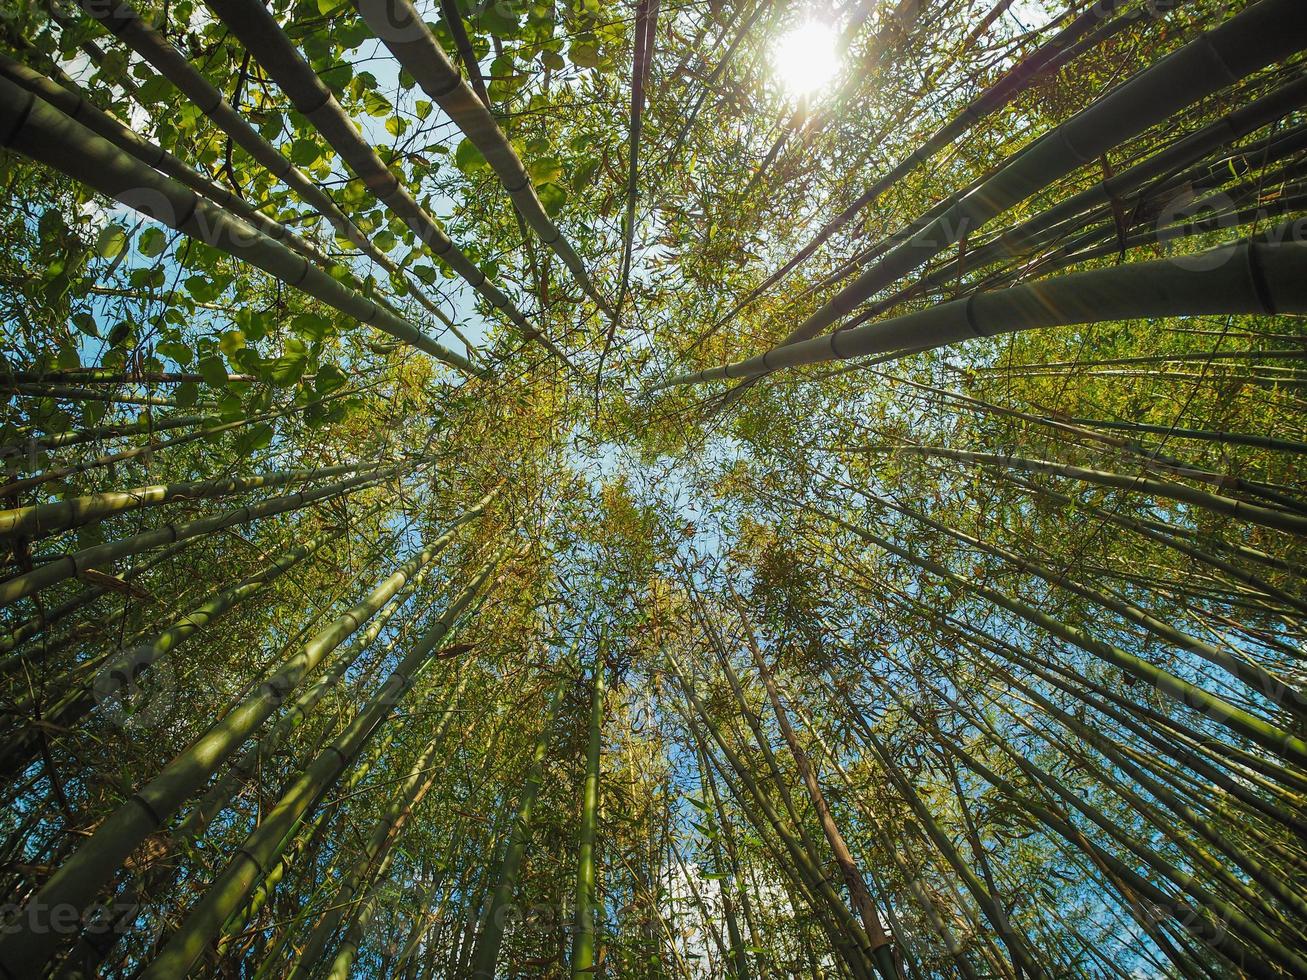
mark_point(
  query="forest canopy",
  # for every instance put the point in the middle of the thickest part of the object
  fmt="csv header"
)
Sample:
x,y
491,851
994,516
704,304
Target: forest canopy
x,y
653,488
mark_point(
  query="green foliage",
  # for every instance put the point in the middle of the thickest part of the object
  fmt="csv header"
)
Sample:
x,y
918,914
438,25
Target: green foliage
x,y
953,688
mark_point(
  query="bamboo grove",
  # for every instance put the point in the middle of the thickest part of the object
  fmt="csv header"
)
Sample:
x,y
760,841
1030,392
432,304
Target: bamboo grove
x,y
548,488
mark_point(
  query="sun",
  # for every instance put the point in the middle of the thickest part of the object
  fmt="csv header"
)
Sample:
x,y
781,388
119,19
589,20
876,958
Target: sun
x,y
805,59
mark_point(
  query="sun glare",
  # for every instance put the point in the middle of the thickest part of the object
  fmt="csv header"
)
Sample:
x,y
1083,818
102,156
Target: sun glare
x,y
805,59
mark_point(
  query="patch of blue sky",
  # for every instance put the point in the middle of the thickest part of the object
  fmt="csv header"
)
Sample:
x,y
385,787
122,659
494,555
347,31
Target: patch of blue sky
x,y
670,485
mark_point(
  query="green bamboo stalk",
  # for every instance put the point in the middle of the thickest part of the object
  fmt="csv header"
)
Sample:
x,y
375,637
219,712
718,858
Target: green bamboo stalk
x,y
708,791
1142,916
73,887
1161,530
585,928
644,44
126,668
21,632
847,933
42,520
1150,457
1284,744
315,828
101,555
504,886
407,959
72,103
1233,889
126,24
366,869
401,28
379,844
263,38
1055,368
1051,55
646,34
880,949
211,429
310,833
1274,443
97,942
33,127
76,437
1076,241
228,891
341,967
224,789
1188,150
1262,34
112,376
754,722
1251,277
1166,489
1283,695
71,394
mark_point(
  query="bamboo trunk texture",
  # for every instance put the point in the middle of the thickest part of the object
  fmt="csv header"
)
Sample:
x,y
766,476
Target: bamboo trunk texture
x,y
33,127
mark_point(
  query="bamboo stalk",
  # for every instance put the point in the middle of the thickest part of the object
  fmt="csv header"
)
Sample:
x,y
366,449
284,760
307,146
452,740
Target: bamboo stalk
x,y
1270,737
1166,489
73,104
405,34
126,24
880,942
43,520
1252,277
263,38
584,936
70,565
79,879
1053,54
126,667
1278,692
33,127
228,891
379,844
96,943
1264,33
486,954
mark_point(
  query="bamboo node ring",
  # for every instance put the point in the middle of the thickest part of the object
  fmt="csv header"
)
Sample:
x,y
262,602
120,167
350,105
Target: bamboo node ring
x,y
21,121
253,860
1257,277
150,811
969,311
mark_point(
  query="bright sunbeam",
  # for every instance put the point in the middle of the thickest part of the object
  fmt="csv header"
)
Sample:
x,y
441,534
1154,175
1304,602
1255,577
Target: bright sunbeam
x,y
805,59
